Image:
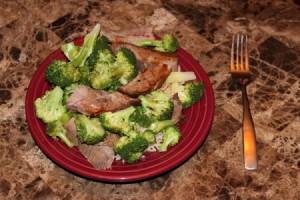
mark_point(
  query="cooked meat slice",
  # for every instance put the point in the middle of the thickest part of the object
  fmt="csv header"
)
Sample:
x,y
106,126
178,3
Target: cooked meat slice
x,y
129,36
177,112
147,80
150,57
101,156
89,101
70,126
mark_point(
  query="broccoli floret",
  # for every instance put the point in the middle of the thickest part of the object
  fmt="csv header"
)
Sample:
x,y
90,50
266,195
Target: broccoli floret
x,y
56,130
168,43
171,136
141,118
104,77
161,125
117,122
157,104
126,60
190,93
149,135
89,130
49,107
130,149
101,53
114,86
68,91
84,75
62,73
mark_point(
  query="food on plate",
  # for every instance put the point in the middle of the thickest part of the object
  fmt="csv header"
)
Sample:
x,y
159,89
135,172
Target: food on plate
x,y
117,96
149,79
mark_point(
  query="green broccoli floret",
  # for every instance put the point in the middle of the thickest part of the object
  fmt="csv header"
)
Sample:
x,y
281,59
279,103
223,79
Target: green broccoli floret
x,y
126,60
62,73
84,75
89,130
171,136
56,130
99,53
68,91
114,86
149,135
190,93
158,105
141,118
49,107
158,126
104,77
117,122
168,43
130,149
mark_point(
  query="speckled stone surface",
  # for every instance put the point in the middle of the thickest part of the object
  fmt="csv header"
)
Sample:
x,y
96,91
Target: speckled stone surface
x,y
30,30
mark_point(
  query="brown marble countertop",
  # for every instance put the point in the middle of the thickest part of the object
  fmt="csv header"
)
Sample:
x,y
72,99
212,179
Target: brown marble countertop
x,y
31,30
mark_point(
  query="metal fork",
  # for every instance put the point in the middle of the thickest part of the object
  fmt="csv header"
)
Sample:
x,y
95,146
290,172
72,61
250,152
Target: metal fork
x,y
240,72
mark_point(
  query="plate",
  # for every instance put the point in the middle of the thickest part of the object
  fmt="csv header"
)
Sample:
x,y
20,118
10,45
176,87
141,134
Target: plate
x,y
198,121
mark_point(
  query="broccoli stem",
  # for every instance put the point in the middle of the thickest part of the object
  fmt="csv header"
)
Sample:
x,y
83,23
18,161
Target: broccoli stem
x,y
65,139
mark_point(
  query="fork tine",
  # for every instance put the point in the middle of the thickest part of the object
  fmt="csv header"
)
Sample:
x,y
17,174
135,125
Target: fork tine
x,y
246,54
237,63
232,65
242,67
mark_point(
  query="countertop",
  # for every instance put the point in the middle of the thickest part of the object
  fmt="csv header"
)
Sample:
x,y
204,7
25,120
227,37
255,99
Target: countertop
x,y
31,30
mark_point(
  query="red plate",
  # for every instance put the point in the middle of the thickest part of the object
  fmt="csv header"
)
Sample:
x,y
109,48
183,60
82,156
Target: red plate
x,y
198,121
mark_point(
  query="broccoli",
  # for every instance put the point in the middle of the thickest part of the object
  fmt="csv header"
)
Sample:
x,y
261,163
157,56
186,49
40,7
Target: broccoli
x,y
84,75
89,130
149,135
68,91
180,77
160,125
87,47
117,122
140,117
104,77
157,104
171,136
126,60
130,149
49,107
56,130
190,93
62,73
70,50
114,86
100,53
168,43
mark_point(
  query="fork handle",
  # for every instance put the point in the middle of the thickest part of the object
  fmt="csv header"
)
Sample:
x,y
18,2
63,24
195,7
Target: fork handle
x,y
249,140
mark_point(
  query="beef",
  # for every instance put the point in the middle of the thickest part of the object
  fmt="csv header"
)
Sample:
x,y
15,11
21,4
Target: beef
x,y
89,101
147,80
70,127
101,155
129,36
147,57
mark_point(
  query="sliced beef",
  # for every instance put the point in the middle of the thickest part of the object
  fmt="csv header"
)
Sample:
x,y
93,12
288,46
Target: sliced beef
x,y
147,57
129,36
101,155
70,126
89,101
147,80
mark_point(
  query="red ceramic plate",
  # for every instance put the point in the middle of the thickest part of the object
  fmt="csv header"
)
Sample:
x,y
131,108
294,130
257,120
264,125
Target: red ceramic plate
x,y
198,121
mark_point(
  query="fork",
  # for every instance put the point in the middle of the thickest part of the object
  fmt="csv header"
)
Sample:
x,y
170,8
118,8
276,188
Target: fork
x,y
240,72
